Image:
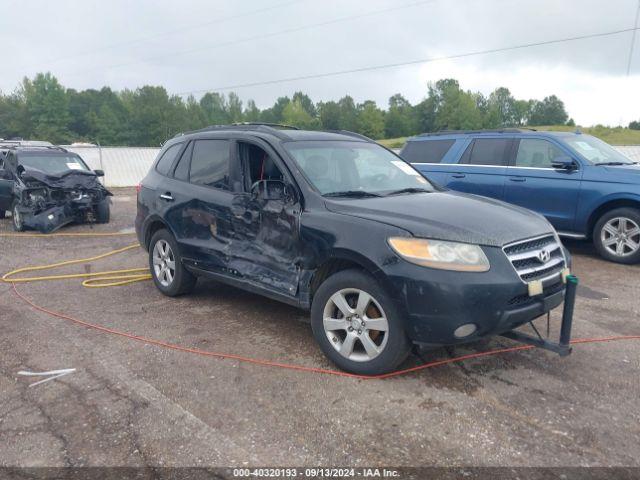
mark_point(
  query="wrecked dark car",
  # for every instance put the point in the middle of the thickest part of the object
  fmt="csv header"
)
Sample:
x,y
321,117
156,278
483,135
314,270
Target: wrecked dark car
x,y
336,224
46,188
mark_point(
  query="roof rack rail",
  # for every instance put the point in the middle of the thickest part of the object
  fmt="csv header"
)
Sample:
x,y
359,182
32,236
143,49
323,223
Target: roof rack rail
x,y
33,147
496,130
349,133
266,124
273,128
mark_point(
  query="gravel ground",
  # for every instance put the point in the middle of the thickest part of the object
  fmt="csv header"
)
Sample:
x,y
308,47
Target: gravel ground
x,y
131,404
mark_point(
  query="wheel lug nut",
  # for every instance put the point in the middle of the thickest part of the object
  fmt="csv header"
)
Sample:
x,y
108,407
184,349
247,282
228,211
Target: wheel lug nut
x,y
350,329
359,332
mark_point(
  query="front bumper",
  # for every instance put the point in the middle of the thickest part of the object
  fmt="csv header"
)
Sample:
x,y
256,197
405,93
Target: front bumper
x,y
56,216
437,302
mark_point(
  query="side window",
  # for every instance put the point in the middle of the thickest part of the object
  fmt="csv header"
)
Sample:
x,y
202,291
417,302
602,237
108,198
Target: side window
x,y
426,151
166,160
258,164
536,153
182,169
210,163
487,151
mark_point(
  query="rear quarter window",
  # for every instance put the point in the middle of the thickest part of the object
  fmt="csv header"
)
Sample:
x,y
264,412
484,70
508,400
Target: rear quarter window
x,y
166,160
426,151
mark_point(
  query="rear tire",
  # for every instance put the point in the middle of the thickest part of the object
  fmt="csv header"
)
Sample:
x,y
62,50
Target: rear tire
x,y
103,211
616,235
169,274
370,338
16,218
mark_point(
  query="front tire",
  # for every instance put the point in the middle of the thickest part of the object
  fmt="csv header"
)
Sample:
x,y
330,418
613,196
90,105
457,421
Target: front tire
x,y
616,235
103,211
357,325
16,218
169,274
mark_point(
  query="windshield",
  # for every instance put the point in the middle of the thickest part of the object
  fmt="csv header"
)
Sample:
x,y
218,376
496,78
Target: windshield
x,y
52,164
595,150
352,168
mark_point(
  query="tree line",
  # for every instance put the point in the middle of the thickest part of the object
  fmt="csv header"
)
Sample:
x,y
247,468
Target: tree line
x,y
41,108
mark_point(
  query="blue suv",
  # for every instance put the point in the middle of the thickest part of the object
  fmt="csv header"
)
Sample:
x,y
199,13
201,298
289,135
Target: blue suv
x,y
582,185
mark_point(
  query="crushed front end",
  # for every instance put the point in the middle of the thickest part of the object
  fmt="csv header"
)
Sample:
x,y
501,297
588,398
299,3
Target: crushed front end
x,y
46,203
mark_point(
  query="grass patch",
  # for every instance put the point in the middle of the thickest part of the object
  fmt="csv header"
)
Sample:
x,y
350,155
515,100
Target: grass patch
x,y
611,135
393,142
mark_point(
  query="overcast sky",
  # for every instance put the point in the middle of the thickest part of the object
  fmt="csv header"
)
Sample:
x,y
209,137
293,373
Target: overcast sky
x,y
195,45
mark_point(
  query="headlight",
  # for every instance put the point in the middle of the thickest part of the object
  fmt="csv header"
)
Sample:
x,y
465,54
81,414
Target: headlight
x,y
461,257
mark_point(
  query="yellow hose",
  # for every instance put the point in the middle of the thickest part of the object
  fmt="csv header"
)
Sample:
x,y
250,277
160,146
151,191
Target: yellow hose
x,y
111,278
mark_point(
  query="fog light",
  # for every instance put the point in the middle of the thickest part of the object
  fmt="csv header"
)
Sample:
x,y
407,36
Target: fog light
x,y
465,330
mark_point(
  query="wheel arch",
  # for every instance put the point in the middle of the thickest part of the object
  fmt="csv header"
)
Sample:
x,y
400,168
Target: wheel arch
x,y
607,206
338,260
152,225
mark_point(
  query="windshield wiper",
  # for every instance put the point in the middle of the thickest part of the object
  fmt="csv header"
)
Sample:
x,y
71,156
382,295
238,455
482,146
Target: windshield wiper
x,y
352,194
409,190
615,163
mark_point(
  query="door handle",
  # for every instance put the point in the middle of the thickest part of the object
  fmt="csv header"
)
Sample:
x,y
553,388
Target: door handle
x,y
458,175
517,179
166,196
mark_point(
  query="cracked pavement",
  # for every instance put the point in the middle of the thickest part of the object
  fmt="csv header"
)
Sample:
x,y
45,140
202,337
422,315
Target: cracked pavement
x,y
131,404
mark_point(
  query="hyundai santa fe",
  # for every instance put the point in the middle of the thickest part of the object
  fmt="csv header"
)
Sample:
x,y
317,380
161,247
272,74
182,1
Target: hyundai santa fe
x,y
336,224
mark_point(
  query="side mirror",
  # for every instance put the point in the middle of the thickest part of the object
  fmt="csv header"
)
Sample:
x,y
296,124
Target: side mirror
x,y
271,190
99,173
563,163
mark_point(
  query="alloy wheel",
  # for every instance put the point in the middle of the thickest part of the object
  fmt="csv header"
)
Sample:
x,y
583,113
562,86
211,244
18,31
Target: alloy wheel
x,y
621,236
355,324
164,263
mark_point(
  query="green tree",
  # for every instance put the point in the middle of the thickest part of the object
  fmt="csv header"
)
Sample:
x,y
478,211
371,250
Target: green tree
x,y
214,107
295,114
348,114
501,109
251,112
306,103
370,120
550,111
47,105
275,113
329,113
234,108
401,119
454,108
14,117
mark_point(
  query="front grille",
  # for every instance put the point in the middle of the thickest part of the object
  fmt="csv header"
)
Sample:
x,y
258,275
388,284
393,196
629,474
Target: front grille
x,y
536,259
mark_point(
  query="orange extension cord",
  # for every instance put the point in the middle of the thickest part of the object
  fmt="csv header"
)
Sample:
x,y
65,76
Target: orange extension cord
x,y
268,363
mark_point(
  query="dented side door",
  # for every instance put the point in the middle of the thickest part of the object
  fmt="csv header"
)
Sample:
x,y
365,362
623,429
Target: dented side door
x,y
267,249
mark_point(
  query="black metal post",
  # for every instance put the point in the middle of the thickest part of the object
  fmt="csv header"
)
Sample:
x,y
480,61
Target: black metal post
x,y
567,313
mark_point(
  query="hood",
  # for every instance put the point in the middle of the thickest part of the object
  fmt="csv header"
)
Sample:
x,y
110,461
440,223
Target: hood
x,y
69,179
613,173
448,215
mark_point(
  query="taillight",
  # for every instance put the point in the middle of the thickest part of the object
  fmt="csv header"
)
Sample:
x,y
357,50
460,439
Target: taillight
x,y
138,187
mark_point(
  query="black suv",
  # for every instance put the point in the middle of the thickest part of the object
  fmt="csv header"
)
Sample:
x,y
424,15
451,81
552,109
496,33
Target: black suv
x,y
337,224
46,187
